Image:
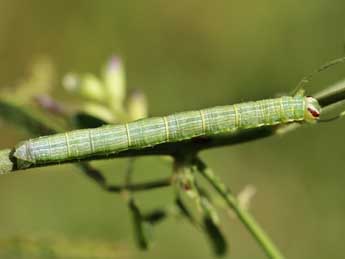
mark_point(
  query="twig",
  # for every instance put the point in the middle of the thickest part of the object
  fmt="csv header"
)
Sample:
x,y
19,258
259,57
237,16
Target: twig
x,y
326,98
248,221
141,186
97,176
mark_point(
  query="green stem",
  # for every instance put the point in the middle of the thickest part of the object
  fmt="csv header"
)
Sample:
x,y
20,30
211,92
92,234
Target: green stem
x,y
246,218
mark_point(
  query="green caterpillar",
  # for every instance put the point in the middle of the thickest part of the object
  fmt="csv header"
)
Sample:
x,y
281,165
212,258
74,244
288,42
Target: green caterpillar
x,y
177,127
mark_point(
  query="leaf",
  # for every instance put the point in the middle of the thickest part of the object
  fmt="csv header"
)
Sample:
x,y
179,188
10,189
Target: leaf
x,y
216,237
93,173
34,123
155,216
211,228
140,228
184,211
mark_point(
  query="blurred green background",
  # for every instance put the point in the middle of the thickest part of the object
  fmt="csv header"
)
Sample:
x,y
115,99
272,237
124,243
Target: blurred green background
x,y
186,55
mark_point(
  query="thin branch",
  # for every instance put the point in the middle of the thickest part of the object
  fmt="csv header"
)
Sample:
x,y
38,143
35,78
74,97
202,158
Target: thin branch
x,y
140,186
332,94
97,176
245,217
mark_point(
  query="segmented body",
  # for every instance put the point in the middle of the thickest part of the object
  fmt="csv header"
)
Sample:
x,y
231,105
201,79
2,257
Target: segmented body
x,y
153,131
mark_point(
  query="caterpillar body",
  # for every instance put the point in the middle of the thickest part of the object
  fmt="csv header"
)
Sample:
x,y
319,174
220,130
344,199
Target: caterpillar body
x,y
177,127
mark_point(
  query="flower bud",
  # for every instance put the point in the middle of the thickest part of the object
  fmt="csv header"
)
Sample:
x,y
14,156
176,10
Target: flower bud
x,y
92,89
114,82
99,111
137,105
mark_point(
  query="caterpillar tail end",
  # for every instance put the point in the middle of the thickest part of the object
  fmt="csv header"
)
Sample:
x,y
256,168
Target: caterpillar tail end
x,y
23,156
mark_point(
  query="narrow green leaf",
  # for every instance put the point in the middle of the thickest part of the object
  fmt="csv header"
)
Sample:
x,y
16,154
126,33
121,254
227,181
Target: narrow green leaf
x,y
32,122
185,211
215,236
93,173
140,228
211,225
155,216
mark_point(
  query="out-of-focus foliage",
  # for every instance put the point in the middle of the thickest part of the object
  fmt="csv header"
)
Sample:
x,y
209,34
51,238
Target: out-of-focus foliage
x,y
56,248
111,89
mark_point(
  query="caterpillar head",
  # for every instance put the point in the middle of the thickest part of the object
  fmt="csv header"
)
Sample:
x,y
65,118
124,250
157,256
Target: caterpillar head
x,y
312,110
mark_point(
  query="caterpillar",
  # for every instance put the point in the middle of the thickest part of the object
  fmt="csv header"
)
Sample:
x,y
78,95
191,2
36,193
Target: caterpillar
x,y
148,132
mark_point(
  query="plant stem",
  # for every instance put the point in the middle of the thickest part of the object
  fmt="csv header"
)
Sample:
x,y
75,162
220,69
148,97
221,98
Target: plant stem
x,y
246,218
327,97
